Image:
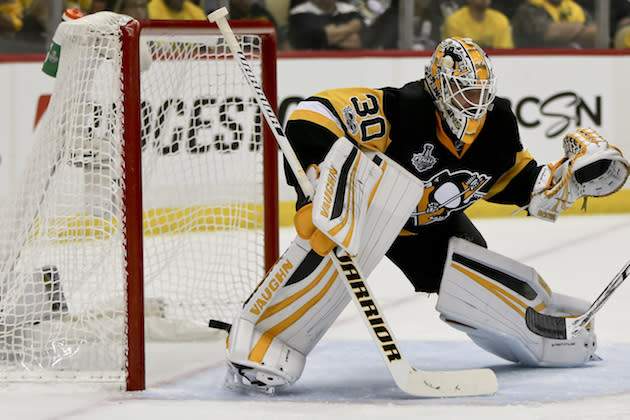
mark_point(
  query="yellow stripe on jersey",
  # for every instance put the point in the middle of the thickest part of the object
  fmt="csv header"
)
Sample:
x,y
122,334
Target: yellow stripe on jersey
x,y
522,159
472,131
360,111
319,119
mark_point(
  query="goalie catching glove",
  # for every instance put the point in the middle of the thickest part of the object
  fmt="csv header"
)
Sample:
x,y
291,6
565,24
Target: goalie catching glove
x,y
590,168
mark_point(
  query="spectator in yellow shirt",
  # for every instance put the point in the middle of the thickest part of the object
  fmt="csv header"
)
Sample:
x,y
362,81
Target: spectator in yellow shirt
x,y
553,23
486,26
175,10
11,14
622,36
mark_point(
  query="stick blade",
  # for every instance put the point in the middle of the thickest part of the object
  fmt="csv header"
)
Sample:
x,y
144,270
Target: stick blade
x,y
453,383
546,325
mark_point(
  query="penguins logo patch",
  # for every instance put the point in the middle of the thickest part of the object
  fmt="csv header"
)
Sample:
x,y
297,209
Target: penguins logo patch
x,y
447,192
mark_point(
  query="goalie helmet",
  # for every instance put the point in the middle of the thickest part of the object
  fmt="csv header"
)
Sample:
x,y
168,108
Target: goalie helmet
x,y
461,81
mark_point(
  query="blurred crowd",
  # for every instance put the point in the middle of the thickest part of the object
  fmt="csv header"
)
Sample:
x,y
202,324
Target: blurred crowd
x,y
26,25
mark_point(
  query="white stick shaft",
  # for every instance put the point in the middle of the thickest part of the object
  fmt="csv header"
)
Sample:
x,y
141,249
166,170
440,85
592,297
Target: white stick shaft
x,y
219,17
574,326
563,328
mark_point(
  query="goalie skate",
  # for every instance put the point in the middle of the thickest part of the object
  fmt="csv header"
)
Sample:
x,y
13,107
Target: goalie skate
x,y
250,380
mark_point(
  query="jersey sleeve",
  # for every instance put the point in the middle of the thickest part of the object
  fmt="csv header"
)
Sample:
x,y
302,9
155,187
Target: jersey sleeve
x,y
355,113
515,184
318,121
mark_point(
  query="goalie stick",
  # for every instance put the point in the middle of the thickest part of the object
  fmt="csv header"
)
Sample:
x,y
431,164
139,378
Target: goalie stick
x,y
564,328
409,379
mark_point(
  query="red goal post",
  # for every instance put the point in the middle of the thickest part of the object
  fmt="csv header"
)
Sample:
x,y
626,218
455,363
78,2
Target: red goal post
x,y
268,76
150,199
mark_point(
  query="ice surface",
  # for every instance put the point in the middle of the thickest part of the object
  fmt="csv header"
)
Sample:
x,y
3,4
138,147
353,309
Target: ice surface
x,y
344,377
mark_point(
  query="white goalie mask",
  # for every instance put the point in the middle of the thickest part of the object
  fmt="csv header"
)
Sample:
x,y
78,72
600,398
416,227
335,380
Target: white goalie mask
x,y
461,80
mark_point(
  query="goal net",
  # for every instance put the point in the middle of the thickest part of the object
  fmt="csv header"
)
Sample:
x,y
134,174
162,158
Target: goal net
x,y
150,195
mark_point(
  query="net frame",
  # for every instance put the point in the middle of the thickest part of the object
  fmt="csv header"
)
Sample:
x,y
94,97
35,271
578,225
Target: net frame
x,y
133,193
132,197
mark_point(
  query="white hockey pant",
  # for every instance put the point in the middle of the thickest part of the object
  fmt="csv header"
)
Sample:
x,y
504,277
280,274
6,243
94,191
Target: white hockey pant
x,y
486,294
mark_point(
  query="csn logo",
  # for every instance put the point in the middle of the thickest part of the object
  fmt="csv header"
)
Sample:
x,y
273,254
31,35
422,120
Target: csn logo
x,y
557,113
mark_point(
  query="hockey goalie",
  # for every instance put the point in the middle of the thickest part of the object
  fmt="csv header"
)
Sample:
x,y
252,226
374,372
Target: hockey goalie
x,y
393,171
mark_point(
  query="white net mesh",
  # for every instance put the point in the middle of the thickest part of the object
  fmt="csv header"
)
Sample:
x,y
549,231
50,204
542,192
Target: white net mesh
x,y
62,287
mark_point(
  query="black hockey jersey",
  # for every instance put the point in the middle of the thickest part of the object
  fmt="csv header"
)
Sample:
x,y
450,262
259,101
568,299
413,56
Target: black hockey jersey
x,y
404,124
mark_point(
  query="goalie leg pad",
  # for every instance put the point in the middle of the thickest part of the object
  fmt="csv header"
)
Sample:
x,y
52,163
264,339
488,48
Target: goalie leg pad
x,y
302,295
485,295
285,317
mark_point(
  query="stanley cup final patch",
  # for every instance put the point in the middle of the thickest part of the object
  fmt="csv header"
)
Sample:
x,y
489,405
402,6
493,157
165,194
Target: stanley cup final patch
x,y
425,160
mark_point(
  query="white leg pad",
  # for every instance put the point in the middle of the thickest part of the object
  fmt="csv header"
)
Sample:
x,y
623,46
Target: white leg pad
x,y
342,198
486,294
286,316
302,295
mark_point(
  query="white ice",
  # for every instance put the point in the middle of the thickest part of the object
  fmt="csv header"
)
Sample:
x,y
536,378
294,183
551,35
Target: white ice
x,y
344,377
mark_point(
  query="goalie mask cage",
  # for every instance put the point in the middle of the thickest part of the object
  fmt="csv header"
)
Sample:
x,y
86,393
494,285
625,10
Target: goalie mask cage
x,y
149,199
